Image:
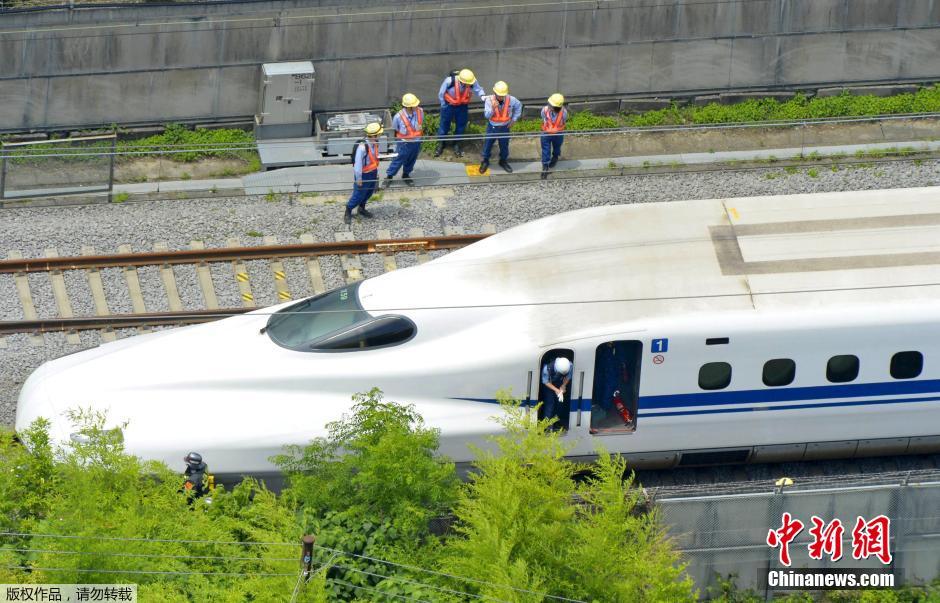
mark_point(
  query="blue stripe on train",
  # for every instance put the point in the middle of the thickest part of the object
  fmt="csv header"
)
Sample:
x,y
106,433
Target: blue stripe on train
x,y
791,394
647,415
785,394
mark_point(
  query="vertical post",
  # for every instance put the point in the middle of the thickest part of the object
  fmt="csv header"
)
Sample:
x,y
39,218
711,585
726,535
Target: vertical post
x,y
528,393
580,397
3,171
307,555
111,166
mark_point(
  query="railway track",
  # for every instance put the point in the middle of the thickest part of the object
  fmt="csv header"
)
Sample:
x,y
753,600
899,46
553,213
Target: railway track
x,y
55,267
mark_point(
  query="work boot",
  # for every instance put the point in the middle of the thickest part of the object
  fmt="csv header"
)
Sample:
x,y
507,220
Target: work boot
x,y
457,150
347,217
439,149
552,163
505,165
387,182
484,165
365,213
407,179
544,172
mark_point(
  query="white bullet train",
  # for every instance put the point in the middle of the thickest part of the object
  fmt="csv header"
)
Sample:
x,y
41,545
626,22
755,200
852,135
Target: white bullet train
x,y
728,330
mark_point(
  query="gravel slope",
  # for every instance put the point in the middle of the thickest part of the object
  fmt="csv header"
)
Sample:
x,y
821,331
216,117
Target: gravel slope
x,y
177,223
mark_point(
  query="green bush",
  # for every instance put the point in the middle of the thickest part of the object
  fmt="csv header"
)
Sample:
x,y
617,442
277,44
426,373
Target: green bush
x,y
195,144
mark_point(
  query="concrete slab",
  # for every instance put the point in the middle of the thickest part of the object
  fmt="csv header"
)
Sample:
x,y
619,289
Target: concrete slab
x,y
326,178
179,185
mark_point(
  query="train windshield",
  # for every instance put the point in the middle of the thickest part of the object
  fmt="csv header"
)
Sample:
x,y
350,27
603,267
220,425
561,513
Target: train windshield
x,y
301,324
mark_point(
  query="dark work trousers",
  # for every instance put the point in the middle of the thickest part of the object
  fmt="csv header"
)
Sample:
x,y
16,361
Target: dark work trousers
x,y
550,405
492,130
362,193
407,156
455,113
551,147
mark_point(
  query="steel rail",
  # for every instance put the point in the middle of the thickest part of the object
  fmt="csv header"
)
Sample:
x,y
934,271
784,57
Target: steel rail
x,y
117,321
222,254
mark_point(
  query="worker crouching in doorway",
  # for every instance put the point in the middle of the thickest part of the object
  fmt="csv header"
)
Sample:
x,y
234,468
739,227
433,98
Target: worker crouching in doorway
x,y
366,173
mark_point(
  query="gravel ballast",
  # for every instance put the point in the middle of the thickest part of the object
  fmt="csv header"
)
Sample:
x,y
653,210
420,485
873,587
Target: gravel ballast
x,y
179,222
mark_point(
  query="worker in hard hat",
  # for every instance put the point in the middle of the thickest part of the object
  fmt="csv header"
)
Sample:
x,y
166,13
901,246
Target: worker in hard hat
x,y
501,110
454,95
554,118
407,124
556,374
366,172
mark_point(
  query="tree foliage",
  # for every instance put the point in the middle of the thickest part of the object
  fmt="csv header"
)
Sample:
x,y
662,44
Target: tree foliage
x,y
527,529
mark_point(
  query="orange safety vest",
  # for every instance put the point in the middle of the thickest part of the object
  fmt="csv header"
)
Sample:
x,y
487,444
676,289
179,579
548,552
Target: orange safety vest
x,y
461,94
371,162
406,121
553,126
500,114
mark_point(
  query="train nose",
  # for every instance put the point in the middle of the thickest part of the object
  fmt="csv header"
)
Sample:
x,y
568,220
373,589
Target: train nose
x,y
35,402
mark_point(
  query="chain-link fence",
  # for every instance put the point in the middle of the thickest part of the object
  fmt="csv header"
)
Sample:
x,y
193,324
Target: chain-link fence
x,y
57,167
726,534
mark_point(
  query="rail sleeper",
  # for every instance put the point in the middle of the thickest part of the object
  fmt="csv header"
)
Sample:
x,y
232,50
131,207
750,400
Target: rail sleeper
x,y
241,277
350,263
133,288
169,282
417,233
26,299
98,295
389,258
204,276
313,267
280,275
61,295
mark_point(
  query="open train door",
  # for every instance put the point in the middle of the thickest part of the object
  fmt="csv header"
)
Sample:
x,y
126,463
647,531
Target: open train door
x,y
616,390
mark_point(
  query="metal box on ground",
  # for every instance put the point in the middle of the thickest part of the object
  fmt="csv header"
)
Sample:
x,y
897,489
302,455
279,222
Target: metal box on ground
x,y
285,101
339,132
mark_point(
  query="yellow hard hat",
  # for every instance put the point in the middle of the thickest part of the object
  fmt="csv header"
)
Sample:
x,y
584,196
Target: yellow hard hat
x,y
556,100
410,100
374,129
466,77
501,88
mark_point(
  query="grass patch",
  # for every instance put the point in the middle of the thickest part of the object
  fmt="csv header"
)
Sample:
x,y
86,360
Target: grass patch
x,y
120,197
812,173
791,170
254,233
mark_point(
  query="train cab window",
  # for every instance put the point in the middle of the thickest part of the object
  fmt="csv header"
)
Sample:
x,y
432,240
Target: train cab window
x,y
300,324
380,332
779,372
842,369
714,375
907,365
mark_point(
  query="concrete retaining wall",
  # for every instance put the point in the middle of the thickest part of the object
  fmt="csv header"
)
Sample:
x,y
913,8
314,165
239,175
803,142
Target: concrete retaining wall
x,y
61,69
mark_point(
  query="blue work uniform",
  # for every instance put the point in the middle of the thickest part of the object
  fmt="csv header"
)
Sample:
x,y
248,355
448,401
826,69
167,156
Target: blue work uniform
x,y
553,125
366,172
408,132
455,104
548,396
500,117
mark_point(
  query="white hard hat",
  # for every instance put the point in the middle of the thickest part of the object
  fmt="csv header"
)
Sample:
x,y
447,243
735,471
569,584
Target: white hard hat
x,y
562,366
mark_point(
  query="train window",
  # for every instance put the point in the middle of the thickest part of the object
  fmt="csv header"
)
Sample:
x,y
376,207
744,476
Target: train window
x,y
907,365
779,371
842,369
381,332
714,375
300,324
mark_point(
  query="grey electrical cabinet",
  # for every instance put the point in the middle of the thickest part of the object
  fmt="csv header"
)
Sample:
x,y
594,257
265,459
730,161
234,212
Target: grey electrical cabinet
x,y
285,102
